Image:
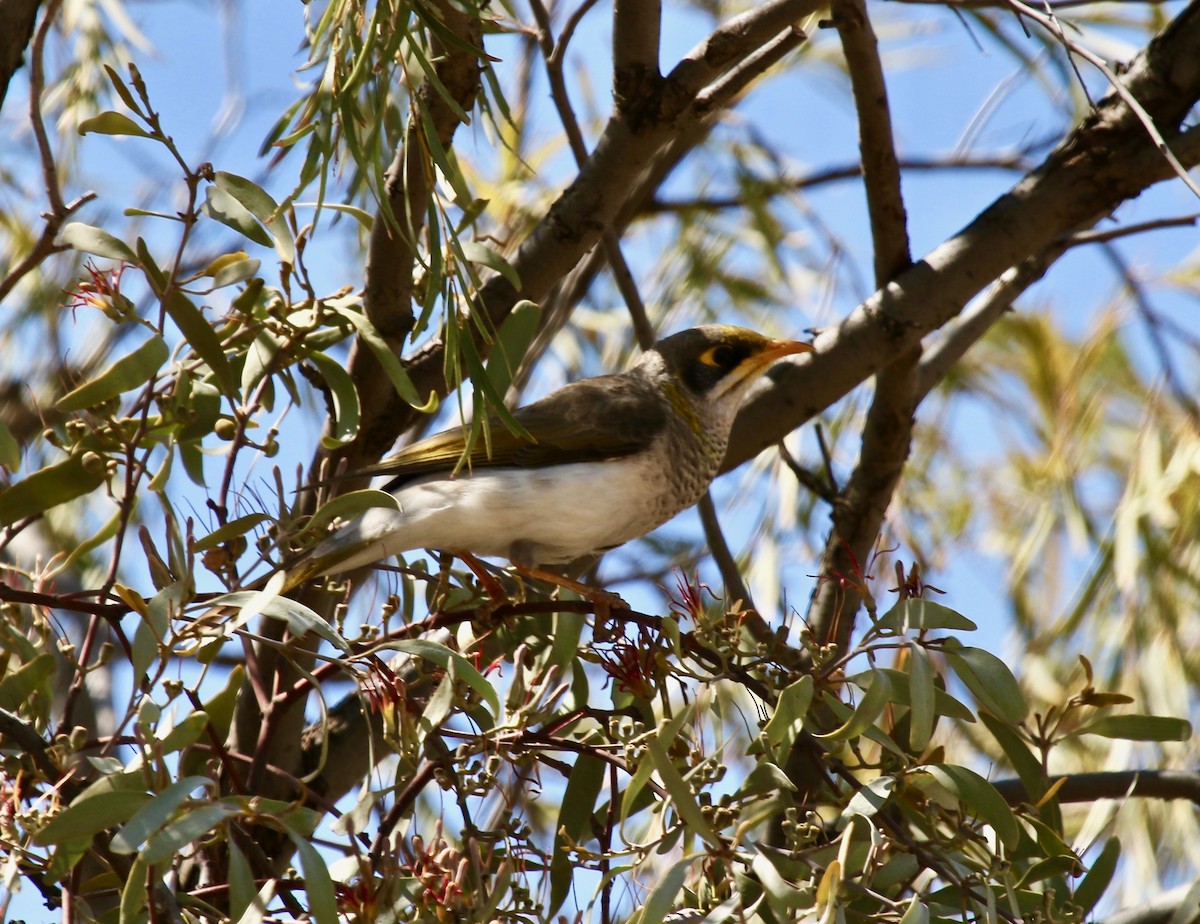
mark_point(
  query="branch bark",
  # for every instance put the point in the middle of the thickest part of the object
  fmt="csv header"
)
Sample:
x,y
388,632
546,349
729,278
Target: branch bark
x,y
887,433
16,29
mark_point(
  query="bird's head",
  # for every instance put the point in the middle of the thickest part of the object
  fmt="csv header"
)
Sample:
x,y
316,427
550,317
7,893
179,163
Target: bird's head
x,y
716,364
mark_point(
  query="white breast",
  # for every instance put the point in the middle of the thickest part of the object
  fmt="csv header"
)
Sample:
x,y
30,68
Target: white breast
x,y
535,516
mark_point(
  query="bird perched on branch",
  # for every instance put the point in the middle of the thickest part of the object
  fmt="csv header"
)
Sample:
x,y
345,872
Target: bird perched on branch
x,y
602,461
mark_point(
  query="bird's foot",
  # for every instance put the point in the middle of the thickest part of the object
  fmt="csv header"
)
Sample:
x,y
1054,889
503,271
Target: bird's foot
x,y
604,602
492,587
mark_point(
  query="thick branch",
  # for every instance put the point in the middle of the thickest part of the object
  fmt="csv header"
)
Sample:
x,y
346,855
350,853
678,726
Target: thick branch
x,y
887,433
16,29
1116,784
637,25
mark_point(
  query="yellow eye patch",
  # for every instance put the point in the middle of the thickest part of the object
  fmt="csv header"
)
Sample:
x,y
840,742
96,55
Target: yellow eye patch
x,y
716,356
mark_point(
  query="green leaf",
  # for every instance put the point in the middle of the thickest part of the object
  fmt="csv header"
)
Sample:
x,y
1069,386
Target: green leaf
x,y
235,271
219,710
130,371
230,530
185,733
1093,885
194,824
261,206
1024,761
154,815
345,400
1138,728
871,797
10,449
133,895
574,824
989,680
944,703
242,891
322,904
443,656
112,123
918,615
683,800
786,723
202,338
48,487
870,706
922,696
18,687
300,619
86,817
486,256
349,505
121,88
222,207
662,898
981,798
765,777
512,343
151,633
917,912
387,359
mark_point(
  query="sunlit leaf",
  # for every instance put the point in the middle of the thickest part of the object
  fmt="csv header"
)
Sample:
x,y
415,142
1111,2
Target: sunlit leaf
x,y
88,239
112,123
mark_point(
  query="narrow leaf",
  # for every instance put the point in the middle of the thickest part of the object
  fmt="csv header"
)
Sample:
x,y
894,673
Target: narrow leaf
x,y
574,821
48,487
662,898
922,696
869,708
130,371
201,337
152,816
683,800
322,904
981,798
344,397
1093,885
191,827
1138,728
222,207
787,721
84,818
989,680
443,656
112,123
918,615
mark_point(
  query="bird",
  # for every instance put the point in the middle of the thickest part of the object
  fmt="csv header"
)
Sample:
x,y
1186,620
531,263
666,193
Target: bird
x,y
600,461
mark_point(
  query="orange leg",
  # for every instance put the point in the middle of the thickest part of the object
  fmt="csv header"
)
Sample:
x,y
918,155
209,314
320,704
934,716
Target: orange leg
x,y
605,601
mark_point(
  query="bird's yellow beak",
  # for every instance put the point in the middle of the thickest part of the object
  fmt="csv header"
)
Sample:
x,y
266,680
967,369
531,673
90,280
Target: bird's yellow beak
x,y
777,348
754,366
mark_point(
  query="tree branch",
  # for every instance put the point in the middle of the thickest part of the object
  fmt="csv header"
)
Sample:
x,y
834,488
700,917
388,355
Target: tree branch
x,y
1115,784
887,433
16,29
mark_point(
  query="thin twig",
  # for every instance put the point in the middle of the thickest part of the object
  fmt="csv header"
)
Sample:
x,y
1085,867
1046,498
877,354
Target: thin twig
x,y
735,587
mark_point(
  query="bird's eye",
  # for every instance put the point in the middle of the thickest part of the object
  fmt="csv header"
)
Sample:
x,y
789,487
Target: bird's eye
x,y
722,356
